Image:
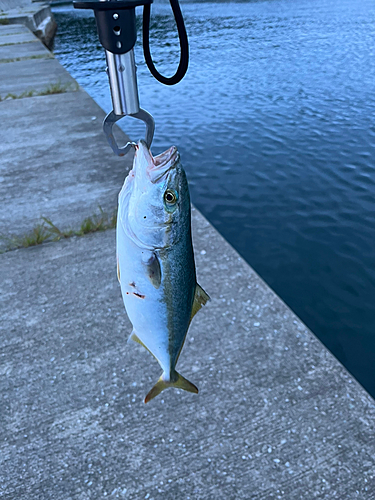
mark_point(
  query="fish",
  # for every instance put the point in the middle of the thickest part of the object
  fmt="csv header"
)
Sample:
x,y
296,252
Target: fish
x,y
155,260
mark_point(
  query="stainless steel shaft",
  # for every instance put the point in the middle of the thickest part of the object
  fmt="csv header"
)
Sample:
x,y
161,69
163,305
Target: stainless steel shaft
x,y
123,82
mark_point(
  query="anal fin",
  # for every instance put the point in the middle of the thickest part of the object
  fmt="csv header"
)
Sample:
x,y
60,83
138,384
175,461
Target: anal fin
x,y
135,338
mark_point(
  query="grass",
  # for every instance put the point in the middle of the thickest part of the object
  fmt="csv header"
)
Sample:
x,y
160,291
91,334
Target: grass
x,y
36,237
48,231
52,88
16,43
27,93
15,59
58,88
4,20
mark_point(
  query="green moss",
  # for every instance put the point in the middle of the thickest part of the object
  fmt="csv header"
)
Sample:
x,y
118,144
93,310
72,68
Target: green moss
x,y
4,20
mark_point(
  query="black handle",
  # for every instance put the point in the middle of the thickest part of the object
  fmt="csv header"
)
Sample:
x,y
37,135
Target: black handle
x,y
117,30
115,21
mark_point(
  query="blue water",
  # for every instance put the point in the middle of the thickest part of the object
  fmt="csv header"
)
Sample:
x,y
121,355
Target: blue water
x,y
275,125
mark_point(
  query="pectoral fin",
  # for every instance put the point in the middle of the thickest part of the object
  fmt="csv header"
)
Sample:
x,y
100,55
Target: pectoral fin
x,y
200,299
153,270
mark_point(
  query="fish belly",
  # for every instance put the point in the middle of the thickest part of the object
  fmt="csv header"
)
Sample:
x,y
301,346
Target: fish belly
x,y
144,304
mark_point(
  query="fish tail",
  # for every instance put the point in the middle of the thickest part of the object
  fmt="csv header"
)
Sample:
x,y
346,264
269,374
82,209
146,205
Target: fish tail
x,y
178,381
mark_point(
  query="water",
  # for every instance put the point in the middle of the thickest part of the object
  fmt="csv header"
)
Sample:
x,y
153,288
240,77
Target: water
x,y
275,125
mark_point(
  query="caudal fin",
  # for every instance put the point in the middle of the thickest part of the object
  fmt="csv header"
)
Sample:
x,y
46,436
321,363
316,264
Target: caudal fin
x,y
178,381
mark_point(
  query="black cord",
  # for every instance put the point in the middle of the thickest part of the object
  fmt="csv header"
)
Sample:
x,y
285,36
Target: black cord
x,y
184,45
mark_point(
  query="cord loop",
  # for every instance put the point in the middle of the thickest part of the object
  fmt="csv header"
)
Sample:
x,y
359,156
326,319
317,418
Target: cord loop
x,y
184,45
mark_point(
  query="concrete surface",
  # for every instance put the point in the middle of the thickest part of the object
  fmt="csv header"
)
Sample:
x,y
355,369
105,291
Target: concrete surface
x,y
33,74
54,158
55,162
277,416
6,5
38,18
15,38
13,29
23,50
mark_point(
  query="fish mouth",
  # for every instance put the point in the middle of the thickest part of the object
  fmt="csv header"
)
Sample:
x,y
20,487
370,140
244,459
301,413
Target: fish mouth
x,y
158,166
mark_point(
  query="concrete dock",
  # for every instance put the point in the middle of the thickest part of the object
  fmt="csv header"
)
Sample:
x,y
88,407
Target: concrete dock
x,y
277,416
35,15
55,161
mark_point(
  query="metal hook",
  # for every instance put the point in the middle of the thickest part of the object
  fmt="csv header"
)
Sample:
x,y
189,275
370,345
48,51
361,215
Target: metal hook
x,y
112,118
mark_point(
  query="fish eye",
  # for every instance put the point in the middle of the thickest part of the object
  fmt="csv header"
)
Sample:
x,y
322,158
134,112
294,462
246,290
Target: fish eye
x,y
170,197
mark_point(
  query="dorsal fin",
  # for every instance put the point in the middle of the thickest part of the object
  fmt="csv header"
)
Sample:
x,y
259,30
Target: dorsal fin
x,y
200,299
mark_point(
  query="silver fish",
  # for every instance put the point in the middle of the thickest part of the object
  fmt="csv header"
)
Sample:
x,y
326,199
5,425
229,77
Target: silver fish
x,y
155,260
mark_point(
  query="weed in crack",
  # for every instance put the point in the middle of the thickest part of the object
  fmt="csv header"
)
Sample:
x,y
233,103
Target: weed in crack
x,y
48,231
